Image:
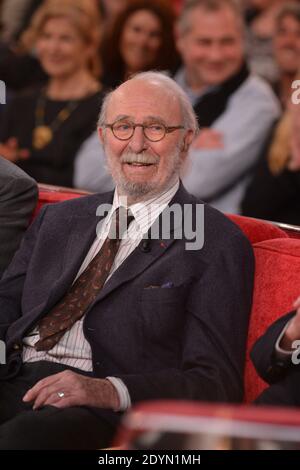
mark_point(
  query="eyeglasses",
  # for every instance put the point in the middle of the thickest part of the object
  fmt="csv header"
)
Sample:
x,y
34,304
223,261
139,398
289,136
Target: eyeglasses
x,y
124,130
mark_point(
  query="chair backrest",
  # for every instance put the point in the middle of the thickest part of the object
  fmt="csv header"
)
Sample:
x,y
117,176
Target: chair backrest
x,y
257,230
49,194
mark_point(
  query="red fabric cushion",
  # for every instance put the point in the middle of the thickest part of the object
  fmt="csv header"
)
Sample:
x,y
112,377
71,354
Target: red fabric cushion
x,y
189,417
50,194
257,230
276,286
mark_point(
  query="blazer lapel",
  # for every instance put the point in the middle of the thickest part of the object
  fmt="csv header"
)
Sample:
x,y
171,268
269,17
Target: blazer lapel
x,y
135,264
82,233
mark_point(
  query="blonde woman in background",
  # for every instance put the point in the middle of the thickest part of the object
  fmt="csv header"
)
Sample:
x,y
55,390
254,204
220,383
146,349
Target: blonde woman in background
x,y
274,193
42,130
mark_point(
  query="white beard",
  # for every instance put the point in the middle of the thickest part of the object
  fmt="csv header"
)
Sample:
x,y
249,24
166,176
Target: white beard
x,y
135,190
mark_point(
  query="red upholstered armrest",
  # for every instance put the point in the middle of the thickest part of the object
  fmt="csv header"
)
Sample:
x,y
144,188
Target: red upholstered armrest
x,y
276,286
193,418
50,194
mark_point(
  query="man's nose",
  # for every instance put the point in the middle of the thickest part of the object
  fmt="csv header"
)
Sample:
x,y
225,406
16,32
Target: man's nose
x,y
216,53
138,141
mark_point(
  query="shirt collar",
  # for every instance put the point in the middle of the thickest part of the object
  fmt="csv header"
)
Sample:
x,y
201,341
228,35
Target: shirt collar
x,y
180,78
147,211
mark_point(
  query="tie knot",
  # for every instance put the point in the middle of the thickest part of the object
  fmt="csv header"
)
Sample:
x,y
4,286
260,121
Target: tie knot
x,y
120,222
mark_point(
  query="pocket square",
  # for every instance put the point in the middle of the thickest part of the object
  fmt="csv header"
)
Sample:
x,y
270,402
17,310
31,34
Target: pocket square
x,y
166,285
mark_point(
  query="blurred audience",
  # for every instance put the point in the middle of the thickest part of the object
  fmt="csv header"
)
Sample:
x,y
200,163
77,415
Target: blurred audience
x,y
235,109
90,168
140,39
15,16
111,9
41,130
273,194
19,66
287,49
18,196
260,19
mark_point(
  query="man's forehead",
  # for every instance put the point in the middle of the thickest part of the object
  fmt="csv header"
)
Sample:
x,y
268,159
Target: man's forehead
x,y
230,21
143,99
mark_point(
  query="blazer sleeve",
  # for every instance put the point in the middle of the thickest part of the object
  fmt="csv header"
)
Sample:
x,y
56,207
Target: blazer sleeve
x,y
12,282
268,365
214,336
18,197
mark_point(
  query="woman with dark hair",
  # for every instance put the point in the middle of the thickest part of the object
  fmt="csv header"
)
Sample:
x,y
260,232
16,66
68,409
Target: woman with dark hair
x,y
42,130
140,39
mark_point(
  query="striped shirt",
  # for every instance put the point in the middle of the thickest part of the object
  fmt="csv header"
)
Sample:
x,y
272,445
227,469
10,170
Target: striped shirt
x,y
73,349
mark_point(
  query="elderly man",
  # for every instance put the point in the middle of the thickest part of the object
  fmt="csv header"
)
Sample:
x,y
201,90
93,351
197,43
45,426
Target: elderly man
x,y
94,324
18,196
235,110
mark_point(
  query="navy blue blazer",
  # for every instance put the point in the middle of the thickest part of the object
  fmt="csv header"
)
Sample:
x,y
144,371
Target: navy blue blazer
x,y
282,375
267,363
182,342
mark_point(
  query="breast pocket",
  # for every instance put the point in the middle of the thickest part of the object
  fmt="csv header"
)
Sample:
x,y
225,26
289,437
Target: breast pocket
x,y
163,312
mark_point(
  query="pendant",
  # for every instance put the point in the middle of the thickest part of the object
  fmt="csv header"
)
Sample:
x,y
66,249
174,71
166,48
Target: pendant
x,y
42,136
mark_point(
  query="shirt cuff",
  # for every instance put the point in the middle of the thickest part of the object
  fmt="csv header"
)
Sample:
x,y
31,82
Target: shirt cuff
x,y
123,393
283,354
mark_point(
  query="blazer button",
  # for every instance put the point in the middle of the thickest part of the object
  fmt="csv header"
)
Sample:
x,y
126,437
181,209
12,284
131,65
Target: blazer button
x,y
16,347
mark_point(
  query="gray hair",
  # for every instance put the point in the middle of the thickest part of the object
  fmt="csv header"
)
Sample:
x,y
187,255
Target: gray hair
x,y
288,9
187,112
184,20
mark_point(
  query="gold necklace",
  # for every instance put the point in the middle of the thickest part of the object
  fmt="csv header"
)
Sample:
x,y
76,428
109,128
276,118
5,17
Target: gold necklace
x,y
42,134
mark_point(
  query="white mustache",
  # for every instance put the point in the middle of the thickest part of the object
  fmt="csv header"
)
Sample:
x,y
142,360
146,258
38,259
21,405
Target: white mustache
x,y
139,158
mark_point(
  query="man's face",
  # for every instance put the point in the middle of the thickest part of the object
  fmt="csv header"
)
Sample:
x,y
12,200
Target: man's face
x,y
287,45
213,49
140,167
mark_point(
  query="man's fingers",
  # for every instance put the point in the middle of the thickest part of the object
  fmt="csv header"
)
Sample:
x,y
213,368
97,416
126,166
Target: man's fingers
x,y
72,399
42,396
46,394
65,402
34,391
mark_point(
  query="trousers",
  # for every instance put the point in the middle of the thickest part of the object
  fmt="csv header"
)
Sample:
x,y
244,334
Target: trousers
x,y
22,428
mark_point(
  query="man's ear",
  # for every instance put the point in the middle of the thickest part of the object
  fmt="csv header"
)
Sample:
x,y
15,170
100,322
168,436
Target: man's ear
x,y
187,140
100,134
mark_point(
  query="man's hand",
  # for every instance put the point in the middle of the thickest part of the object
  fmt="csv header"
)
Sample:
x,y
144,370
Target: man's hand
x,y
208,139
77,390
11,151
293,330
